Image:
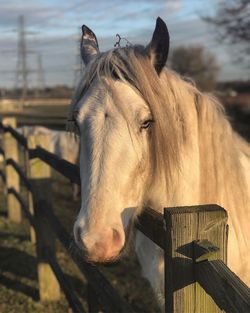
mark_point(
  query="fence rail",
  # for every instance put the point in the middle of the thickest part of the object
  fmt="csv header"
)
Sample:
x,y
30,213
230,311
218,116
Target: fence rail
x,y
64,167
194,269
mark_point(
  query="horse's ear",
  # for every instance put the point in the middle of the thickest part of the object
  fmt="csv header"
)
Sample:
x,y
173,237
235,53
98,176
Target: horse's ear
x,y
158,48
89,44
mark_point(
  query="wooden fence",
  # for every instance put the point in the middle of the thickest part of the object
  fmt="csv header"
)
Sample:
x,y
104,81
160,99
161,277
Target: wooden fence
x,y
194,239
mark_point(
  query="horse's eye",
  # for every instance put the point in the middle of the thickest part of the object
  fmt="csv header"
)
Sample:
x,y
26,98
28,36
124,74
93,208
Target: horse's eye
x,y
146,124
115,75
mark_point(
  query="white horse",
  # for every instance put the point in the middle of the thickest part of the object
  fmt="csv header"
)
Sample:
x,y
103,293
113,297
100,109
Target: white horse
x,y
149,138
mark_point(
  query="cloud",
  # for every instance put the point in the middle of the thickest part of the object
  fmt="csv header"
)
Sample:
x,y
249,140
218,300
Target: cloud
x,y
10,12
55,24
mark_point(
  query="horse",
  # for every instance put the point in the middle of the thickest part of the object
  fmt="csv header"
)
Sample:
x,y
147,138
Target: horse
x,y
150,138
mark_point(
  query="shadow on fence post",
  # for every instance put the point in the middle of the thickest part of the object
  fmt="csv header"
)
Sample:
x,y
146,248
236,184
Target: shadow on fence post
x,y
183,293
12,177
40,178
29,194
2,167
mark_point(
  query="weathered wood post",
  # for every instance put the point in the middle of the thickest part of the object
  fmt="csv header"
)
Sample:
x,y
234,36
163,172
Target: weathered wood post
x,y
12,177
41,190
183,226
29,194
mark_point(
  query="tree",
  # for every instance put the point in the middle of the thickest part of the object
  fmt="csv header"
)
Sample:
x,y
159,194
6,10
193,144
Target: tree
x,y
194,62
232,22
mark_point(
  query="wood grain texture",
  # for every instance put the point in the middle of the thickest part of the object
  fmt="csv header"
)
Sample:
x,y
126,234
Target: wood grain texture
x,y
183,226
227,290
29,191
151,224
12,177
40,179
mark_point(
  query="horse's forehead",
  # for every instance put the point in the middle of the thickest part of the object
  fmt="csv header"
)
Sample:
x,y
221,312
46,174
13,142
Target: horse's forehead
x,y
101,95
129,97
92,99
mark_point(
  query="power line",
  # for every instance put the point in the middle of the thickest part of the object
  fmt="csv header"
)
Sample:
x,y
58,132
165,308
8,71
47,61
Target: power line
x,y
22,70
40,75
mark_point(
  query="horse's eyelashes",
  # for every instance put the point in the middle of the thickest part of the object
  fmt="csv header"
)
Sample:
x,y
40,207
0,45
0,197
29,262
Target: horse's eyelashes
x,y
146,124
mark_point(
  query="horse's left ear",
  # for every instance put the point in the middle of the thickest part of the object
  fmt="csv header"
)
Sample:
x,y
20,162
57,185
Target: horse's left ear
x,y
158,48
89,44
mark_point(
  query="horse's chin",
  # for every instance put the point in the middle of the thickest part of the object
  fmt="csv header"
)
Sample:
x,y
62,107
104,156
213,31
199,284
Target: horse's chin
x,y
105,261
108,260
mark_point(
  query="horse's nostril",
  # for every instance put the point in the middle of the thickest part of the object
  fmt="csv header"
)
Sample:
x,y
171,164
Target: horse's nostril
x,y
117,238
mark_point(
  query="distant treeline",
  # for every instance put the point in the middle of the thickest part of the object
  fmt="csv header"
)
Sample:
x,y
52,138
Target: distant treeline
x,y
63,91
60,91
238,86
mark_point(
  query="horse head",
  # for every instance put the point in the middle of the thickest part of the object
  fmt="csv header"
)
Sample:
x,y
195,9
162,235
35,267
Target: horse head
x,y
115,124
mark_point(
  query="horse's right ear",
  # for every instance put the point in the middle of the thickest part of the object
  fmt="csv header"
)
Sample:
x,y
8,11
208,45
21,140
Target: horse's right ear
x,y
158,48
89,44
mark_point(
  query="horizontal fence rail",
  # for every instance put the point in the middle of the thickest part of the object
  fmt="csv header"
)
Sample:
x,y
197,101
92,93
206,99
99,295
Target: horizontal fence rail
x,y
64,167
193,268
24,207
1,151
227,290
19,138
20,172
3,176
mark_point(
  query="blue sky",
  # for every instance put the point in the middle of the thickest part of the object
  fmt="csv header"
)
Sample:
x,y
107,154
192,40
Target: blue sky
x,y
53,26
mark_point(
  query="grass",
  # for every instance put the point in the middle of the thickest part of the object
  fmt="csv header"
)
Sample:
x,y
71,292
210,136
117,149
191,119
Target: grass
x,y
18,277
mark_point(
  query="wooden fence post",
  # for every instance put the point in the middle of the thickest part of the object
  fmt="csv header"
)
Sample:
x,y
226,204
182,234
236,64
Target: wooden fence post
x,y
12,177
29,194
183,226
41,190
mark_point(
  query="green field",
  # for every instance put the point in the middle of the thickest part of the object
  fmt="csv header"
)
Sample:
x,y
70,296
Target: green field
x,y
18,278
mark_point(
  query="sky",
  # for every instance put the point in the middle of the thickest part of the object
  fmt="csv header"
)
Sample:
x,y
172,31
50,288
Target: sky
x,y
52,30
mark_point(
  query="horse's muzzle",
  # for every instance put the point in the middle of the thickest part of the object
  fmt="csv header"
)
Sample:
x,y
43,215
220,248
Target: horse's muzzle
x,y
100,246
